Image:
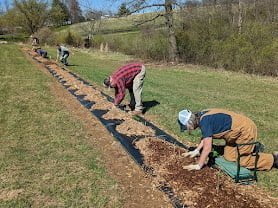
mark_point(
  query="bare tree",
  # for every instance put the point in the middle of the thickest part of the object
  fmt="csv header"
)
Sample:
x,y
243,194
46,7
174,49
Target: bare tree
x,y
34,14
93,23
93,20
164,8
240,10
173,52
75,11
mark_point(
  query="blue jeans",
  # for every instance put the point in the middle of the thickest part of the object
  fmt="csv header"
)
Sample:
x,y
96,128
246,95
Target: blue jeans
x,y
64,58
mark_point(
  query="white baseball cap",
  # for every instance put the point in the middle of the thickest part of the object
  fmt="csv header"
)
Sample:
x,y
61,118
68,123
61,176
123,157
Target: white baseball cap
x,y
183,119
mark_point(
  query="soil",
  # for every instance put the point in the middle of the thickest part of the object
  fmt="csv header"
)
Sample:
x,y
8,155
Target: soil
x,y
7,195
204,188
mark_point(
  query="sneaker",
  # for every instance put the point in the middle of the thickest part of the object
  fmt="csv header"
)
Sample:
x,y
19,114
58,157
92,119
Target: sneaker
x,y
136,113
275,156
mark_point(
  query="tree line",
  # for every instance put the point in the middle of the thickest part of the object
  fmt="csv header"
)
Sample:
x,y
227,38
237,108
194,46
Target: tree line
x,y
239,35
31,15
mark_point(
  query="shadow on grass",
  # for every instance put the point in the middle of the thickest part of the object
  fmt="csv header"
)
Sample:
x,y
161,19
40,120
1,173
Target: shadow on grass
x,y
149,104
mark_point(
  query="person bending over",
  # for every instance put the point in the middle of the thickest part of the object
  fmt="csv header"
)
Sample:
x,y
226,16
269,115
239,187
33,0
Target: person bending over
x,y
131,77
62,54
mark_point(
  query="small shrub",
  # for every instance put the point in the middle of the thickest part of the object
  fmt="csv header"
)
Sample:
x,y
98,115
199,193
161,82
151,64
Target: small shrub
x,y
70,38
154,45
46,36
253,51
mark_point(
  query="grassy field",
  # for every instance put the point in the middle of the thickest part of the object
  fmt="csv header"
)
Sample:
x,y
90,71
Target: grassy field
x,y
46,159
196,88
115,25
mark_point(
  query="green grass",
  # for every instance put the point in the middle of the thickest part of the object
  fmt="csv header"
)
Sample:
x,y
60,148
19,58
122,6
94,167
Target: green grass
x,y
14,37
45,154
196,88
116,25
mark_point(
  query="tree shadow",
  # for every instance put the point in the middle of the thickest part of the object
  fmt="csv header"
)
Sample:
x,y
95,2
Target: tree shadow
x,y
149,104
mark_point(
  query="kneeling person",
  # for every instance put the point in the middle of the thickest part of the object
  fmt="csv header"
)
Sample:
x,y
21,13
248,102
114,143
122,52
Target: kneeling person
x,y
234,128
42,53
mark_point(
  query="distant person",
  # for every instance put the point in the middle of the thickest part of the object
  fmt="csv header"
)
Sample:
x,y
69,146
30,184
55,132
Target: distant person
x,y
42,53
131,77
234,128
35,43
62,54
87,42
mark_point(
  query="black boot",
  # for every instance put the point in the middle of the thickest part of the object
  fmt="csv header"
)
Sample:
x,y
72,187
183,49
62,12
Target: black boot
x,y
275,156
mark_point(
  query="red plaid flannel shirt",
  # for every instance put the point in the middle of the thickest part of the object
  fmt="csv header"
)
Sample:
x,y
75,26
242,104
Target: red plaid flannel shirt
x,y
122,79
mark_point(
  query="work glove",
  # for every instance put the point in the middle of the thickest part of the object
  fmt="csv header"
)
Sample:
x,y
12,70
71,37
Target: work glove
x,y
192,167
191,154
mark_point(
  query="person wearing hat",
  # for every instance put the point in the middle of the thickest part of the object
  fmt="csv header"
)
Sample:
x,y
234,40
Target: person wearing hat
x,y
62,54
234,128
35,43
131,77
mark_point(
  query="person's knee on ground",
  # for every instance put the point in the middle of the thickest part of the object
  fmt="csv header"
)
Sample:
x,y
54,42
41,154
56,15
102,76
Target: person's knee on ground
x,y
275,163
44,55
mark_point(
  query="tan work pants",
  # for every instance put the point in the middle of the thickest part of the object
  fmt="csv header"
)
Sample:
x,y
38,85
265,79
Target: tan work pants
x,y
136,92
265,161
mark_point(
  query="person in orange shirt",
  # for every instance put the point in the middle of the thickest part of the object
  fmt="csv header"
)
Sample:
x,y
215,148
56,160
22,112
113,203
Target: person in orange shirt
x,y
234,128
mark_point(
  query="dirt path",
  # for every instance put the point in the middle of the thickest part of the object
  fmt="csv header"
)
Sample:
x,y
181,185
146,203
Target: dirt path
x,y
205,188
135,185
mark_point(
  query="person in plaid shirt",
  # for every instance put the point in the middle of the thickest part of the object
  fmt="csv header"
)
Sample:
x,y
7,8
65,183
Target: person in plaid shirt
x,y
131,77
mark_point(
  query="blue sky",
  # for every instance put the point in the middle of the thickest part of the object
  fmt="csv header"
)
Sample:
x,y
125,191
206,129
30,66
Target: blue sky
x,y
96,4
103,5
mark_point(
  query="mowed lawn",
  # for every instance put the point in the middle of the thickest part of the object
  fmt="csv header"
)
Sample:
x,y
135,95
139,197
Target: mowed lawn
x,y
196,88
46,159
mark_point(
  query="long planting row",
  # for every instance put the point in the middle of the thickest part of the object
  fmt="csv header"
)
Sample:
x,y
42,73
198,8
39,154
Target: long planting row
x,y
158,153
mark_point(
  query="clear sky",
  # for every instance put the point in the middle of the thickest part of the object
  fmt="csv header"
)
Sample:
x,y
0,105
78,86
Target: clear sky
x,y
106,5
103,5
111,5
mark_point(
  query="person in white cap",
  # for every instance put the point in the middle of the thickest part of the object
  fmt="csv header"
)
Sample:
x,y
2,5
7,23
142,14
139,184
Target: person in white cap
x,y
234,128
